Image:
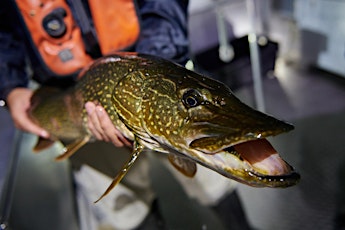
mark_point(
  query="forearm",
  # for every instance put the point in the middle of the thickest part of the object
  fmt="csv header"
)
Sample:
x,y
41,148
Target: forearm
x,y
12,65
12,52
10,79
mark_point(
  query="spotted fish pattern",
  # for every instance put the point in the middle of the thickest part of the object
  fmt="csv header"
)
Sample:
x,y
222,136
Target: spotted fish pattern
x,y
164,107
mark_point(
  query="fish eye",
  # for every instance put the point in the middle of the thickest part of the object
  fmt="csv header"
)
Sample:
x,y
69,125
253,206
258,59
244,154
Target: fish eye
x,y
191,98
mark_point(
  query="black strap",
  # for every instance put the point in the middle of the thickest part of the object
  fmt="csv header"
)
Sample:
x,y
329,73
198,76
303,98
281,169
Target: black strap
x,y
87,30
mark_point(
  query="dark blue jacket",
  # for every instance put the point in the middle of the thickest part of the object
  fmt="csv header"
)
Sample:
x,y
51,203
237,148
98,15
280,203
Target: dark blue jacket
x,y
163,33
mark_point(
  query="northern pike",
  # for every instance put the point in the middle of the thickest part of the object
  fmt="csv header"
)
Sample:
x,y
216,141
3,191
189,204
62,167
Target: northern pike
x,y
162,106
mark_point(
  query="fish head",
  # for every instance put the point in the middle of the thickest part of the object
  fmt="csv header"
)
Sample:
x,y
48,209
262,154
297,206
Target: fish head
x,y
202,120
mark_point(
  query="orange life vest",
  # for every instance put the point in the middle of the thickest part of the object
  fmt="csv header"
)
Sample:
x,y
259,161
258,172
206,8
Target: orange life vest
x,y
58,39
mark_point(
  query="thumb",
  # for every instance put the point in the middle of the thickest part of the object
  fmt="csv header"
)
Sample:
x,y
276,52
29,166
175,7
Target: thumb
x,y
24,123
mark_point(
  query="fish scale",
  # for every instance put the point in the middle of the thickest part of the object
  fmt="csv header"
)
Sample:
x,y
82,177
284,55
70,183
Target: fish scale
x,y
164,107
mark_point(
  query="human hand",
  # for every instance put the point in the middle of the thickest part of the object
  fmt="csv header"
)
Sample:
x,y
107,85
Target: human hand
x,y
102,127
18,101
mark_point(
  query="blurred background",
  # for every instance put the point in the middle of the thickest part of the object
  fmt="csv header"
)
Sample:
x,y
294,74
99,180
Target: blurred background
x,y
302,61
300,70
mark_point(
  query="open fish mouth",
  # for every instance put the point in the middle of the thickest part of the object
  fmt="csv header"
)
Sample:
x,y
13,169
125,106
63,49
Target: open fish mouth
x,y
254,162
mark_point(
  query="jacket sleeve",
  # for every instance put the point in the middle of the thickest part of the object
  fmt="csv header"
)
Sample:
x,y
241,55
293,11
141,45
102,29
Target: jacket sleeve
x,y
164,29
12,54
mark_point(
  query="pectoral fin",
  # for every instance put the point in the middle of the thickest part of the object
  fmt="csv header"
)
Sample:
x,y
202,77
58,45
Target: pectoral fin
x,y
138,148
42,144
184,165
70,149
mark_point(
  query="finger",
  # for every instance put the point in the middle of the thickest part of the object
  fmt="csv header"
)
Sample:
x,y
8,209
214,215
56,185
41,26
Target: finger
x,y
93,130
108,127
115,136
93,122
19,102
24,123
123,139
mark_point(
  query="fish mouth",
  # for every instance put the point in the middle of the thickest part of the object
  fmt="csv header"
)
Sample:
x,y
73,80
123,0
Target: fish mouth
x,y
253,162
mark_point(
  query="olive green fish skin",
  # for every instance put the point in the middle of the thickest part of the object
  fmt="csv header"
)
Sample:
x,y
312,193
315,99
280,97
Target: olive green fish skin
x,y
59,112
167,108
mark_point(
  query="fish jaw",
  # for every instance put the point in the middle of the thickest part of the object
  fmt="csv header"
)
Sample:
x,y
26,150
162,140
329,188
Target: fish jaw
x,y
260,167
232,141
244,155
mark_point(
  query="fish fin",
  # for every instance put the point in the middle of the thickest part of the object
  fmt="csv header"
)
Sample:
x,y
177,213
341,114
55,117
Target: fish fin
x,y
184,165
70,149
138,148
42,143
